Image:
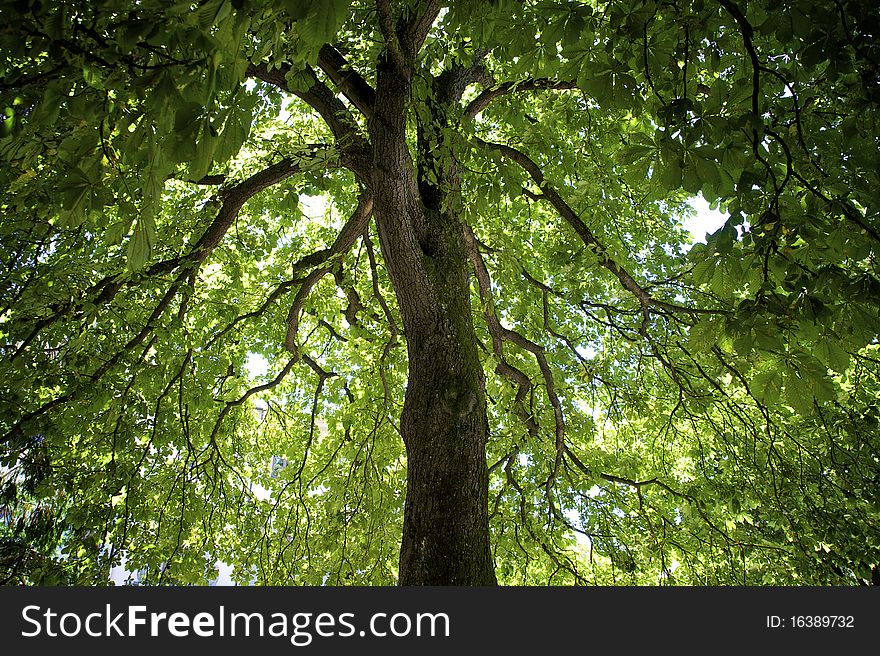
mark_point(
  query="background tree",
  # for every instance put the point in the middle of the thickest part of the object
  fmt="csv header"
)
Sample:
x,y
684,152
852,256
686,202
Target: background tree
x,y
453,231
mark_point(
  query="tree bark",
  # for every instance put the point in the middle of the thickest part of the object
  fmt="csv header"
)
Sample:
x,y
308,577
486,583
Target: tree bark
x,y
444,421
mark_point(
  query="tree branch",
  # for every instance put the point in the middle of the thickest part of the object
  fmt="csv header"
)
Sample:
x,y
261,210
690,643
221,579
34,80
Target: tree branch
x,y
346,238
349,81
416,31
638,485
587,237
500,334
483,100
748,32
234,198
572,219
389,33
352,144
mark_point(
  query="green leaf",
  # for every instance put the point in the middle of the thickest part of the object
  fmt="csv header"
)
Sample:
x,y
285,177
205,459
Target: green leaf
x,y
798,391
116,231
829,351
290,201
297,9
235,132
633,153
212,13
671,176
323,20
141,244
204,155
299,80
768,385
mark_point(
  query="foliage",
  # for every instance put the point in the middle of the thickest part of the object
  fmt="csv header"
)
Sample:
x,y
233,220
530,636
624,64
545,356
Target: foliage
x,y
181,193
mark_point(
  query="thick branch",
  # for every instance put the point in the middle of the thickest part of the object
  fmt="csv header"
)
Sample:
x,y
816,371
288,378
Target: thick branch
x,y
389,33
210,180
235,198
349,81
319,97
482,101
416,30
451,83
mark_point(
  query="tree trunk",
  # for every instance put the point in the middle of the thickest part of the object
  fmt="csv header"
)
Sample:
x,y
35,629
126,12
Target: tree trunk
x,y
444,422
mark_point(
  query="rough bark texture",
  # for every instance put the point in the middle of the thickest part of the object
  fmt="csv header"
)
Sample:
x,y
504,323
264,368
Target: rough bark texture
x,y
444,422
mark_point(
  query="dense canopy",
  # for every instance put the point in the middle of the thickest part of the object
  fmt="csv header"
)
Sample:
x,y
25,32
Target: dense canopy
x,y
398,291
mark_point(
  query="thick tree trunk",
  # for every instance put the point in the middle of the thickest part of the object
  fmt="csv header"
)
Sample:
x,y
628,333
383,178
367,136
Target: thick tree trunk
x,y
444,422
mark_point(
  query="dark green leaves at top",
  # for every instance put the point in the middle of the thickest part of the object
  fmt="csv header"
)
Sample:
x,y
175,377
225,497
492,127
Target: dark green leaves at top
x,y
213,12
317,22
610,84
79,191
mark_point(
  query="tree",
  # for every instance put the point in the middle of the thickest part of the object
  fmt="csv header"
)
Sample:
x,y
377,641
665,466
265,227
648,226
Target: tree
x,y
453,231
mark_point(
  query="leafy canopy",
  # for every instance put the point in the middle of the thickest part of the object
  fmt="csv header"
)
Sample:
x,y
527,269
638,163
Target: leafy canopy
x,y
179,199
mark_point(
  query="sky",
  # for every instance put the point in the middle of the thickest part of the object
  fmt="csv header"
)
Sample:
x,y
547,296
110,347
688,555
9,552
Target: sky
x,y
706,220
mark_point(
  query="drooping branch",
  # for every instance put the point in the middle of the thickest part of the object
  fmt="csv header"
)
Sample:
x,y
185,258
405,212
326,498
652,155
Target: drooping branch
x,y
560,559
638,485
280,376
646,301
483,100
355,305
274,295
159,310
346,238
393,328
748,32
503,368
306,262
234,198
501,334
546,291
106,290
571,217
377,293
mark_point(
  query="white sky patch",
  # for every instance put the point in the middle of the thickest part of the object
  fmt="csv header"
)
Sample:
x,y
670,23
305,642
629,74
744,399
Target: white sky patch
x,y
574,519
587,352
706,221
256,365
313,207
